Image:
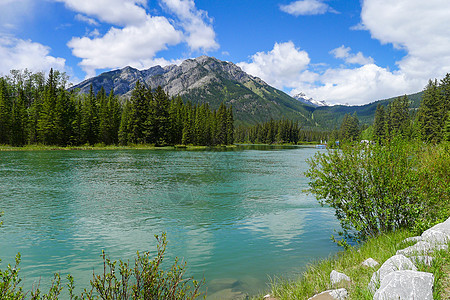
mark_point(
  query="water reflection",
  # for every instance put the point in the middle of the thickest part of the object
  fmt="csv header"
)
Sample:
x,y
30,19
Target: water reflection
x,y
235,215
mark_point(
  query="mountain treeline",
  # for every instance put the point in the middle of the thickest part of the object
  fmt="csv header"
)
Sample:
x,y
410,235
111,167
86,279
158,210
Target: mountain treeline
x,y
279,132
39,110
429,123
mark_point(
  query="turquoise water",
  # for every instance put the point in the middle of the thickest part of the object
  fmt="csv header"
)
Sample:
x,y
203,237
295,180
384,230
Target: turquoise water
x,y
237,217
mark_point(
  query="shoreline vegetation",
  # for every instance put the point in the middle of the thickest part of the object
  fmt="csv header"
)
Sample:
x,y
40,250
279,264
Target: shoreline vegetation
x,y
393,187
37,147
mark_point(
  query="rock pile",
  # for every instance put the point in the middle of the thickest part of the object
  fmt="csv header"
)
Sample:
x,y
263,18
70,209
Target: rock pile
x,y
398,277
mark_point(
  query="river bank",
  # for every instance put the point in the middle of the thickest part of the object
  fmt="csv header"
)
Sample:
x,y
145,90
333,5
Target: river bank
x,y
316,278
37,147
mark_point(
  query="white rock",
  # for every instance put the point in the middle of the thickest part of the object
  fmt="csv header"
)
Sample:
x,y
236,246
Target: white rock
x,y
336,277
370,262
395,263
406,285
422,259
421,248
339,294
436,236
412,239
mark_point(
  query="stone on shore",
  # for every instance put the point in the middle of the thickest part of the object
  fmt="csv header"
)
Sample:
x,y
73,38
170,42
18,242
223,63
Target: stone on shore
x,y
395,263
405,285
339,294
422,259
370,263
338,278
421,248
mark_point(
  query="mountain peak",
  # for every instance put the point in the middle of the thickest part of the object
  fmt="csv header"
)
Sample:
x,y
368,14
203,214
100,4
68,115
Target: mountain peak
x,y
310,101
207,80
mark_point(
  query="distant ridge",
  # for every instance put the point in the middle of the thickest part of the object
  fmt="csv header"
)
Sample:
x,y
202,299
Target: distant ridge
x,y
209,80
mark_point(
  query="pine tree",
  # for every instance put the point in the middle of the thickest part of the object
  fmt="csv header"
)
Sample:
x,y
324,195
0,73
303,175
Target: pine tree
x,y
160,116
90,118
429,115
5,112
379,124
230,126
399,116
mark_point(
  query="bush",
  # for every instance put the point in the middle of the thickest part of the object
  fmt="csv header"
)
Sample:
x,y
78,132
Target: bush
x,y
373,188
145,279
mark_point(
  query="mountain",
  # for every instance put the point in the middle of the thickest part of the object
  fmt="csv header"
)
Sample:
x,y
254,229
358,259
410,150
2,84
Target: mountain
x,y
302,98
332,116
207,79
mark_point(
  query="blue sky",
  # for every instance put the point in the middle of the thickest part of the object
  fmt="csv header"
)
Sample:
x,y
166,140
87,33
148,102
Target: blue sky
x,y
340,51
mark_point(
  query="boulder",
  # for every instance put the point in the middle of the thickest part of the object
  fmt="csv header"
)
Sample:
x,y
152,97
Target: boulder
x,y
339,294
436,236
395,263
337,278
412,239
421,248
422,259
370,263
405,285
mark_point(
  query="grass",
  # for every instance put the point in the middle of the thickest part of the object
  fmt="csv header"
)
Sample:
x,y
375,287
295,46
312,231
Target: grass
x,y
316,278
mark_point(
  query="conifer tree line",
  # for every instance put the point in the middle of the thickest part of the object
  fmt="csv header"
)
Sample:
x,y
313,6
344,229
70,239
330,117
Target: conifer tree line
x,y
39,110
430,123
279,132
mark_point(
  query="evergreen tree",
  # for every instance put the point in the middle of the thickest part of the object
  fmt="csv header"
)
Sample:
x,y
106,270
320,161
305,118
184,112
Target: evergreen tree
x,y
5,112
349,130
19,120
90,118
47,129
379,124
124,128
399,116
230,126
429,115
160,117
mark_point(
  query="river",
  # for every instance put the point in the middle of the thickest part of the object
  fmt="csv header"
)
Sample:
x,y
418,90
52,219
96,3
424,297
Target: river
x,y
236,216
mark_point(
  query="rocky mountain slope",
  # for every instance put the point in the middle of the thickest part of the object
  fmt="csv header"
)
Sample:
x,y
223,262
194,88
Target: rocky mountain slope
x,y
206,79
209,80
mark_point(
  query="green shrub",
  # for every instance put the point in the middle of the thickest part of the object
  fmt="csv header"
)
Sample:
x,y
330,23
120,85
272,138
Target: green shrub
x,y
145,279
373,188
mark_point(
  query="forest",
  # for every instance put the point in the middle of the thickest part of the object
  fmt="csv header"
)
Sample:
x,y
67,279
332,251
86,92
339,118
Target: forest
x,y
39,110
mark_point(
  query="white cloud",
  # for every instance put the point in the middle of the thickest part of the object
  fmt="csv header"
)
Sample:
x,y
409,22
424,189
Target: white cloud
x,y
358,58
117,12
200,33
283,67
419,27
136,37
306,7
85,19
415,26
24,54
357,86
133,45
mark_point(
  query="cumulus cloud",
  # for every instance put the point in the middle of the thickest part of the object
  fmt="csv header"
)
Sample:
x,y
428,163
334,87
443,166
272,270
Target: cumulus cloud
x,y
197,24
356,86
418,27
136,37
85,19
415,26
358,58
306,7
283,67
24,54
133,45
116,12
